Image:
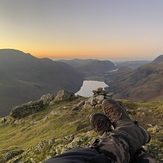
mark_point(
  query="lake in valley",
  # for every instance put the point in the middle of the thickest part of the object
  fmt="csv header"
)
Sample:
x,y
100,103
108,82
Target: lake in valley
x,y
88,86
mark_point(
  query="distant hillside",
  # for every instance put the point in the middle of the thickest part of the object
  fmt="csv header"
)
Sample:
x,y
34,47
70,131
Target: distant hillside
x,y
77,62
142,84
132,64
91,67
24,78
85,62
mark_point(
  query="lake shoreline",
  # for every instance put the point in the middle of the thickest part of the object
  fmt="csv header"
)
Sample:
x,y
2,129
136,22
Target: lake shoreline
x,y
90,85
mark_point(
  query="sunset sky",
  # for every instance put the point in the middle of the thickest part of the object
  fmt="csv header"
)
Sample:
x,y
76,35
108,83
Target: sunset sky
x,y
104,29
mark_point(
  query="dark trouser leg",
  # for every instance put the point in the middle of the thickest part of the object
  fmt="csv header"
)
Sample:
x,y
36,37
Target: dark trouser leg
x,y
115,147
137,136
142,157
79,155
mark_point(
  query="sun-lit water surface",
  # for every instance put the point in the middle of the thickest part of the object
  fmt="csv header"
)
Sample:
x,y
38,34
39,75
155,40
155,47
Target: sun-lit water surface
x,y
88,86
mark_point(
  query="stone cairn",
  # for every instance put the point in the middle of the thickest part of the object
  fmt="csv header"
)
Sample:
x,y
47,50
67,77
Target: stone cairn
x,y
98,96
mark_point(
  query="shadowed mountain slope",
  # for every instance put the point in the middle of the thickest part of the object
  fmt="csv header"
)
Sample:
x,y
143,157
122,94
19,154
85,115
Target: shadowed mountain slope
x,y
24,78
91,67
142,84
77,62
159,59
132,64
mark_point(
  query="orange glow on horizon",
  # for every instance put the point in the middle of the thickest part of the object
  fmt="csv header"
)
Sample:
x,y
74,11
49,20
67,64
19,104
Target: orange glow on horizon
x,y
75,54
118,52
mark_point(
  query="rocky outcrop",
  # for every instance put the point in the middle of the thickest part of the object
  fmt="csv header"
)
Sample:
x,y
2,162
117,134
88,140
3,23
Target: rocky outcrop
x,y
31,107
98,96
93,102
47,99
61,117
64,95
35,106
12,154
27,109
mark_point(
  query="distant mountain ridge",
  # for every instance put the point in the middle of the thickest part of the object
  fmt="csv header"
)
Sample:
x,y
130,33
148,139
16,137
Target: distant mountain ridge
x,y
159,59
91,67
84,62
142,84
132,64
77,62
24,77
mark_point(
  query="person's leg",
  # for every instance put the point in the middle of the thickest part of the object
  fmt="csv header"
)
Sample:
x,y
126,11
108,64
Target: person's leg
x,y
142,157
113,145
137,135
127,137
116,146
101,124
79,155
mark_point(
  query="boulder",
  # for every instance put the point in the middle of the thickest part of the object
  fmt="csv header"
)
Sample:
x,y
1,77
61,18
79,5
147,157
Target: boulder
x,y
47,98
3,120
32,106
27,109
64,95
11,154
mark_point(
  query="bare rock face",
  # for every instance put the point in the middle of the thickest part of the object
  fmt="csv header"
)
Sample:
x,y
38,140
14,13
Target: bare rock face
x,y
64,95
31,107
36,106
47,98
27,109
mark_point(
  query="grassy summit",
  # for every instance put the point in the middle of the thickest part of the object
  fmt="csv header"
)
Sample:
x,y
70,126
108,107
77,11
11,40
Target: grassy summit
x,y
59,127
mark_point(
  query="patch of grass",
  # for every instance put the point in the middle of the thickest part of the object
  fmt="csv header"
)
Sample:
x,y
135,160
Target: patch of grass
x,y
43,125
28,132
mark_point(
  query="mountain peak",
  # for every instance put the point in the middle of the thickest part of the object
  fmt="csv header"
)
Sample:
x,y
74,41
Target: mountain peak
x,y
159,59
25,77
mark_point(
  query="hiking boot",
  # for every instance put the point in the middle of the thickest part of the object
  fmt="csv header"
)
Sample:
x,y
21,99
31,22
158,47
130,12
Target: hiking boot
x,y
122,123
114,111
100,123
